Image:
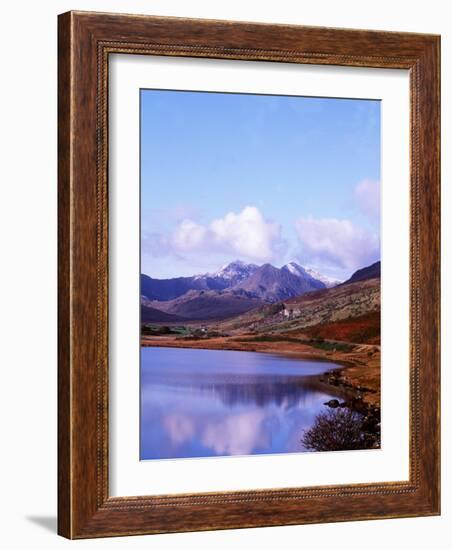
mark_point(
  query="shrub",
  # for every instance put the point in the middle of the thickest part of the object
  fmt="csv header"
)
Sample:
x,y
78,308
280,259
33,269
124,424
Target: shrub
x,y
336,430
155,330
331,346
275,308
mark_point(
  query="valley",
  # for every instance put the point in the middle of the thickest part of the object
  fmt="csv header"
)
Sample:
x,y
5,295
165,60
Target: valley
x,y
340,324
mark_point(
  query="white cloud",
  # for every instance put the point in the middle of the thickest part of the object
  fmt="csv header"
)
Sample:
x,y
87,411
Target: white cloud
x,y
245,234
180,428
338,245
189,235
239,434
367,198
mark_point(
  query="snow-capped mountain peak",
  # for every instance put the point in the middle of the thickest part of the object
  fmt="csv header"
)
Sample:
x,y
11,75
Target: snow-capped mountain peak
x,y
266,282
327,281
295,269
304,272
236,271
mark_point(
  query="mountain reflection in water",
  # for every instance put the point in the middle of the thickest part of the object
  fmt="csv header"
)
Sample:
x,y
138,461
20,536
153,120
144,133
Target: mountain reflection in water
x,y
198,403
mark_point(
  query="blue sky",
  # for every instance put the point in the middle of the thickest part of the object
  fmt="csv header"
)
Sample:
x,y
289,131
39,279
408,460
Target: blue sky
x,y
258,178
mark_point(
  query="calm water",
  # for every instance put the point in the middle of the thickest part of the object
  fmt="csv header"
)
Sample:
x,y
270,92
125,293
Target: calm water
x,y
214,403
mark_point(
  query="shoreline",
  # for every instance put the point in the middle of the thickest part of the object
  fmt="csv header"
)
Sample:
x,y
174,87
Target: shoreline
x,y
358,371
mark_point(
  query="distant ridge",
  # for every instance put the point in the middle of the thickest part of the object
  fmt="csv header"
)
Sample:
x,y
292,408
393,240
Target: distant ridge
x,y
152,315
204,305
370,272
170,289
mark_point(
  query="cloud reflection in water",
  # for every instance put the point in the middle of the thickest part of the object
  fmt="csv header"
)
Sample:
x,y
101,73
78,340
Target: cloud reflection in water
x,y
216,403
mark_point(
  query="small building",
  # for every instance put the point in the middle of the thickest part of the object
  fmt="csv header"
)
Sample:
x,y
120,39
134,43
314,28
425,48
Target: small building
x,y
291,313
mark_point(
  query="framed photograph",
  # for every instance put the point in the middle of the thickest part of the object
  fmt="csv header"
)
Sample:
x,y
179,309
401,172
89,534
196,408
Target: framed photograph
x,y
248,275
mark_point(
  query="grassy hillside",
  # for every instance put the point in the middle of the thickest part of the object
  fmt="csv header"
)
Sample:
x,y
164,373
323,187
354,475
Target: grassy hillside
x,y
322,309
364,329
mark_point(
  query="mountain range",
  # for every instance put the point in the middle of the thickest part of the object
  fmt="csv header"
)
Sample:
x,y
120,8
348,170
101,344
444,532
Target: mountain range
x,y
169,289
234,289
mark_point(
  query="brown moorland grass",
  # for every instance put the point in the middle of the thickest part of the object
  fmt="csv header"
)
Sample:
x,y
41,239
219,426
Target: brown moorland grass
x,y
361,330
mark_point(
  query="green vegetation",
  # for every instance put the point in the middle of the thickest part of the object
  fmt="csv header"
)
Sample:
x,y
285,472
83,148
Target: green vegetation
x,y
330,346
318,343
180,332
159,330
202,334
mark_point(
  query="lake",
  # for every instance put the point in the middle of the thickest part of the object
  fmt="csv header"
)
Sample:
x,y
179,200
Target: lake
x,y
198,403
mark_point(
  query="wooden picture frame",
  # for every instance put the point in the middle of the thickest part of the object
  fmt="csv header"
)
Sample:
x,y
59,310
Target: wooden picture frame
x,y
86,40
